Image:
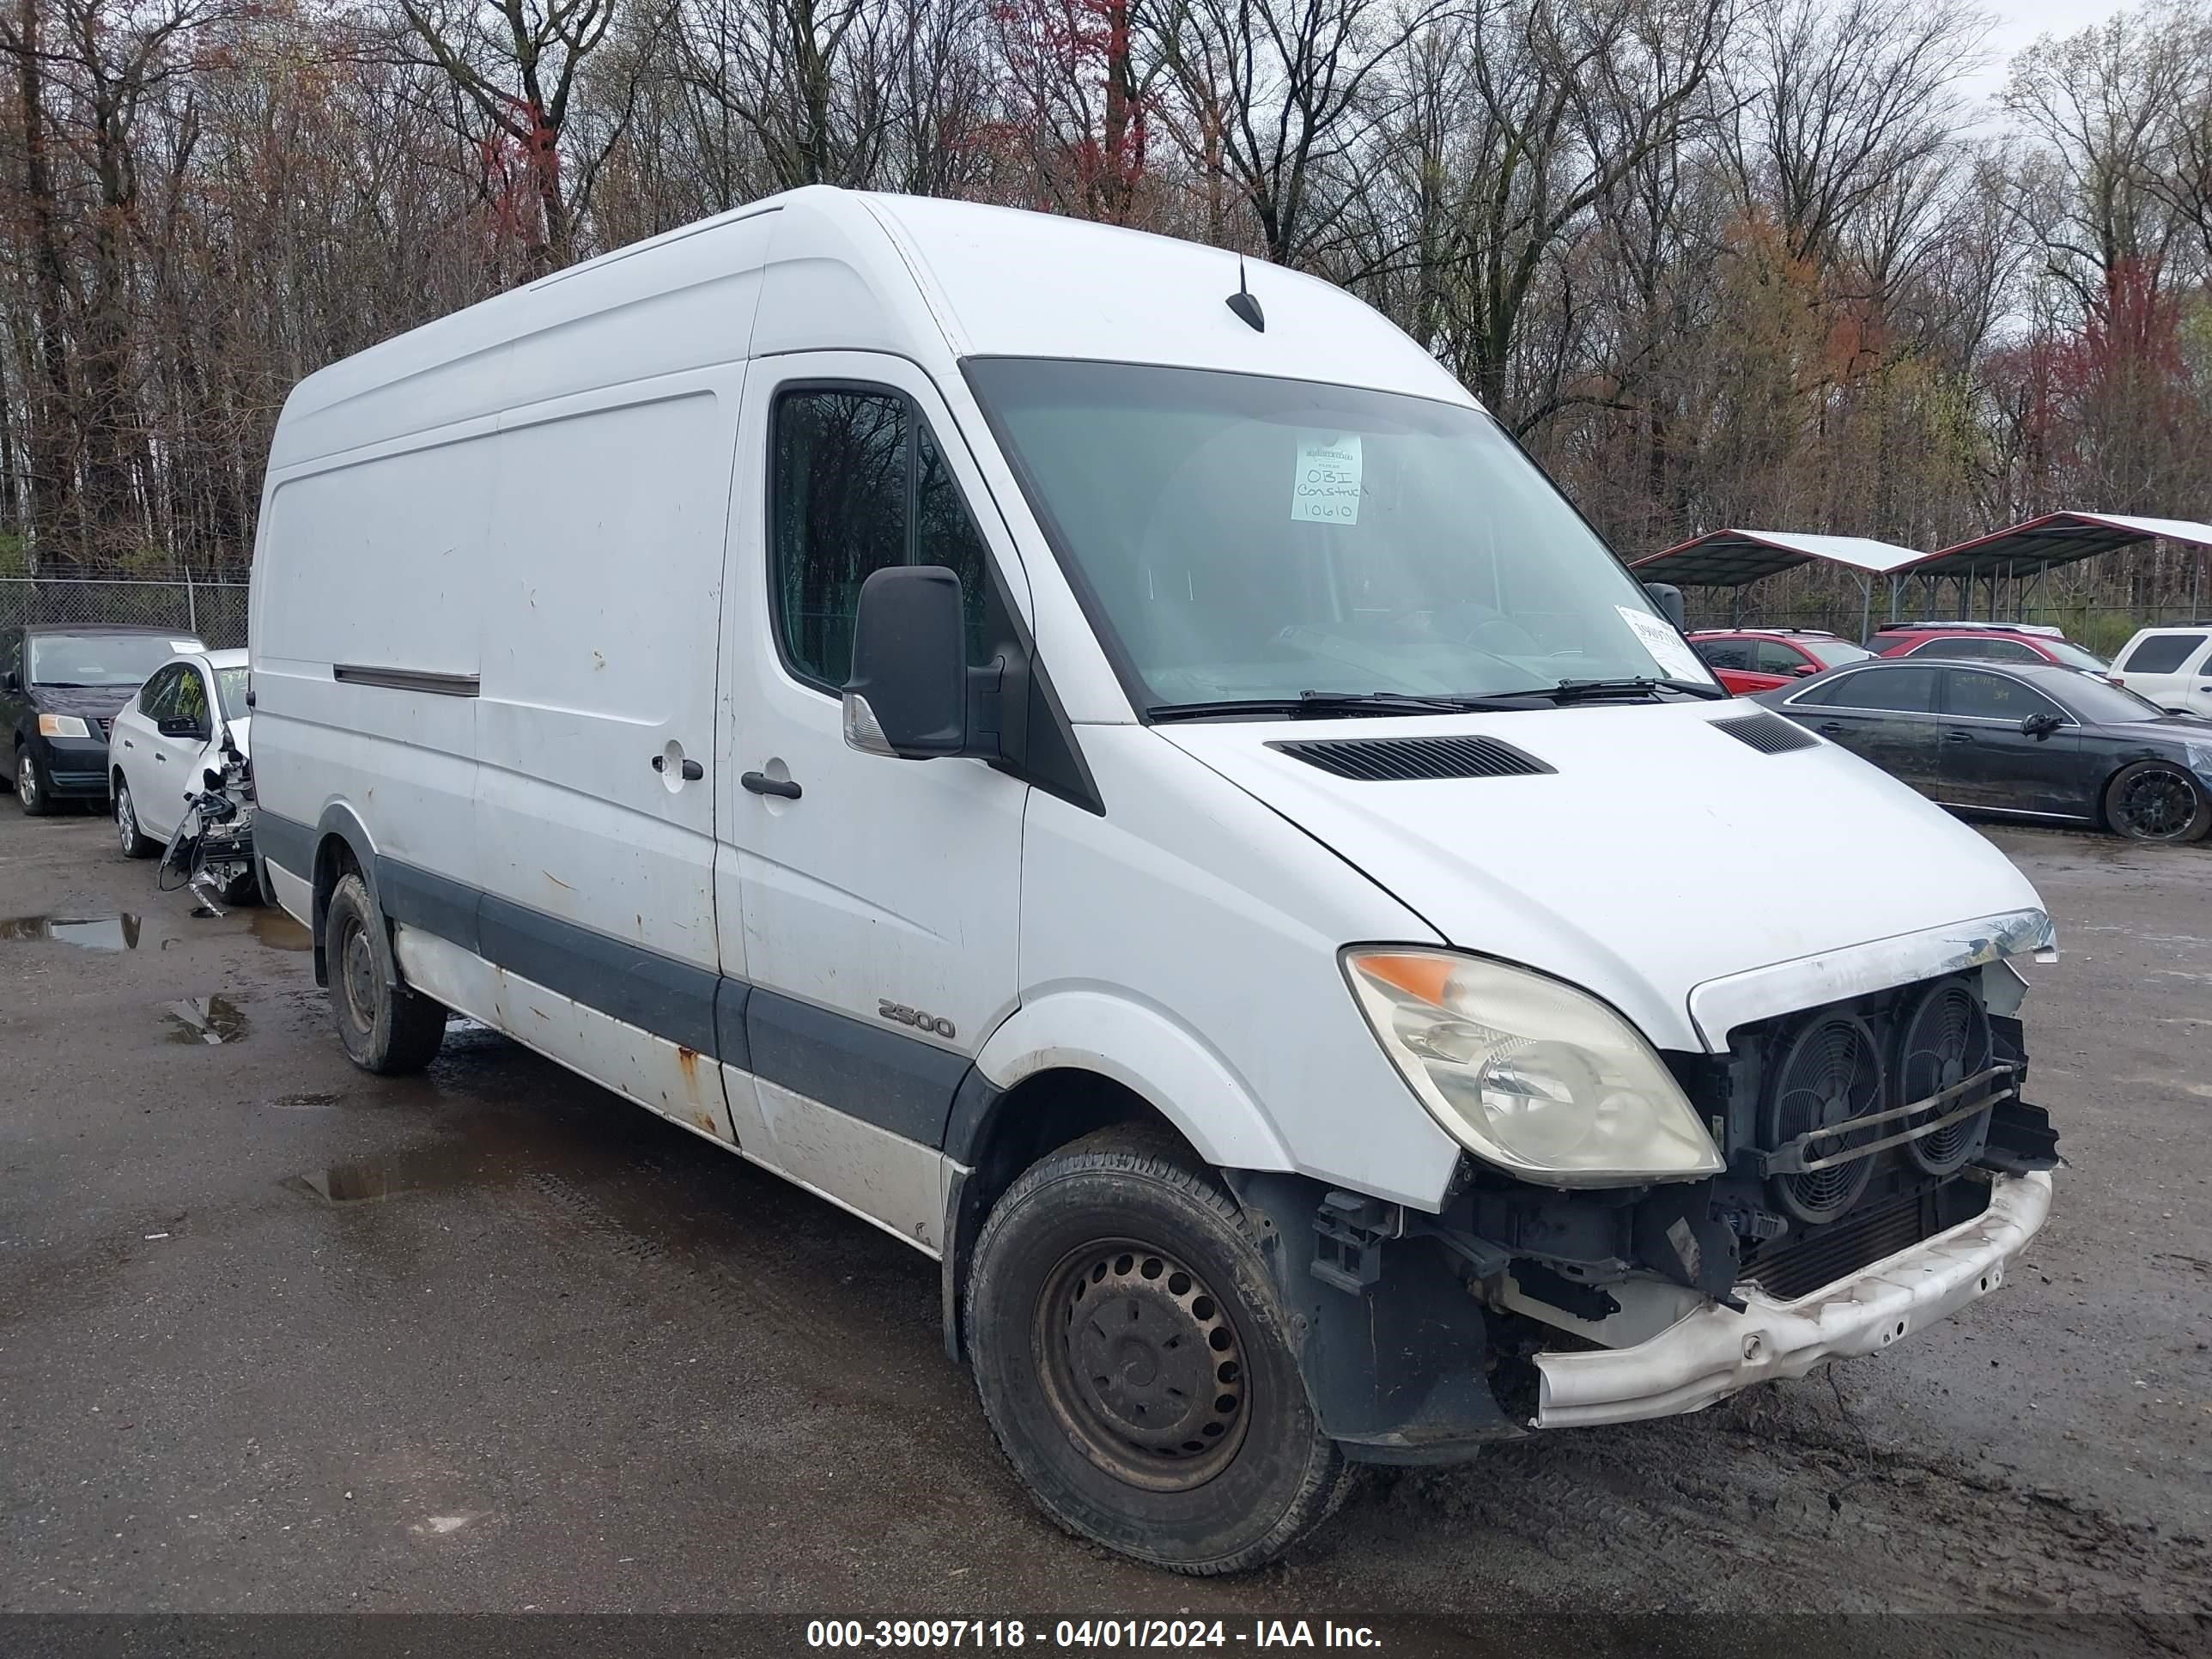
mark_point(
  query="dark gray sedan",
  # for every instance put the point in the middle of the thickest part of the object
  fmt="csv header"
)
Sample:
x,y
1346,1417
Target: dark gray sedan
x,y
2023,740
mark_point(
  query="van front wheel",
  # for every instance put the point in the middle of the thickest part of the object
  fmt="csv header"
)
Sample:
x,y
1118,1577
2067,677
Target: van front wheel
x,y
386,1028
1134,1362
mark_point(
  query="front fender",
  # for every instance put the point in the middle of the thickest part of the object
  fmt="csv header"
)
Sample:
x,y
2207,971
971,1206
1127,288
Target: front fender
x,y
1144,1049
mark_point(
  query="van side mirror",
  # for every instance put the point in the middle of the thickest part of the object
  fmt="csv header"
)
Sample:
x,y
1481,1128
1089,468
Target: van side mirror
x,y
1668,598
2041,725
909,695
11,681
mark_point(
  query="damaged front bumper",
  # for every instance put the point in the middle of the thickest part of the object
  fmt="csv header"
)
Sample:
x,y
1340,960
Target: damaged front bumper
x,y
1715,1352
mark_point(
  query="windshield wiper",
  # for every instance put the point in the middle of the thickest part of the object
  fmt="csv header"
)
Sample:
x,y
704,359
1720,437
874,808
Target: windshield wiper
x,y
1308,705
1639,685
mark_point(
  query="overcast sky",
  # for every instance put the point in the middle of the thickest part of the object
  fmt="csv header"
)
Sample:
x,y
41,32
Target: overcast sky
x,y
2020,21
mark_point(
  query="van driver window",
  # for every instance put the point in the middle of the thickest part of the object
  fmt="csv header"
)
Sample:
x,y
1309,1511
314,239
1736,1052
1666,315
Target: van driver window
x,y
858,483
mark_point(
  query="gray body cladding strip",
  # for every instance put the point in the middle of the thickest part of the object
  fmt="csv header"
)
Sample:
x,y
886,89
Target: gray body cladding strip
x,y
873,1072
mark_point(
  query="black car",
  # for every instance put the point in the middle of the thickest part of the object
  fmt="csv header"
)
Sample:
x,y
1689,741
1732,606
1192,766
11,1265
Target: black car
x,y
61,687
2028,740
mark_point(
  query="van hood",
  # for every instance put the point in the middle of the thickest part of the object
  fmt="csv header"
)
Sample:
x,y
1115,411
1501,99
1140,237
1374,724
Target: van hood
x,y
1688,879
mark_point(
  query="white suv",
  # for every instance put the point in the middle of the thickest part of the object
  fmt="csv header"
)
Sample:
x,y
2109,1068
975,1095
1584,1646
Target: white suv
x,y
2171,666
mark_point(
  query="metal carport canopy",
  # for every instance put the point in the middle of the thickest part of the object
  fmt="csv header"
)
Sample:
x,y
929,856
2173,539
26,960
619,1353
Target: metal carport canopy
x,y
2056,538
1731,558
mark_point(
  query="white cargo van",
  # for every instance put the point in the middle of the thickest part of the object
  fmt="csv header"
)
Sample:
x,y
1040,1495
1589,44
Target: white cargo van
x,y
1111,767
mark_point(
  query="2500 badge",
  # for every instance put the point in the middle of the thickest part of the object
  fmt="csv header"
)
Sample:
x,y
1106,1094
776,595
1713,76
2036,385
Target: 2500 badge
x,y
935,1025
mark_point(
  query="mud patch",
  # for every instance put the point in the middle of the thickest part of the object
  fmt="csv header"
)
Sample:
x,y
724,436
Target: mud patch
x,y
118,933
278,932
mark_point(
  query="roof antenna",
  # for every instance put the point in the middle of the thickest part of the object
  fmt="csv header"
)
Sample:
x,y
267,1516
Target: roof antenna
x,y
1244,305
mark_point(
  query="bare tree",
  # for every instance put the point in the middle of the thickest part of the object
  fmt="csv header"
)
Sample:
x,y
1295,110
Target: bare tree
x,y
1278,96
517,62
1835,99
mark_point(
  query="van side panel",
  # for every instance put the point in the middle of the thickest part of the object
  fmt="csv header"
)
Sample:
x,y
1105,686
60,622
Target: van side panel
x,y
602,610
661,1076
368,585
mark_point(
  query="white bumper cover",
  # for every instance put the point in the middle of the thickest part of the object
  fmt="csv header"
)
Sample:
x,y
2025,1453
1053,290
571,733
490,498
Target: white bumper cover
x,y
1717,1351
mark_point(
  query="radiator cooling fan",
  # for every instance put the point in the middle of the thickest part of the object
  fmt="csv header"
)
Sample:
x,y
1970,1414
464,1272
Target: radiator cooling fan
x,y
1944,1040
1830,1073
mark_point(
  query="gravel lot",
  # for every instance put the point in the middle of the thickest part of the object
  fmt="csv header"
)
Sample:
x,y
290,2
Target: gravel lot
x,y
276,1335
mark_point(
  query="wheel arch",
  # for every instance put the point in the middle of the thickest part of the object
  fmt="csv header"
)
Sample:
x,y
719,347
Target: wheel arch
x,y
342,847
1064,1066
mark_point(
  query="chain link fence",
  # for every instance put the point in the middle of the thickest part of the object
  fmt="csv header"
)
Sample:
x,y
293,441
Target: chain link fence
x,y
214,611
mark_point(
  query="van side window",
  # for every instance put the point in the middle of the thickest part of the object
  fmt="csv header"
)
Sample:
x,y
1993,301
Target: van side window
x,y
858,483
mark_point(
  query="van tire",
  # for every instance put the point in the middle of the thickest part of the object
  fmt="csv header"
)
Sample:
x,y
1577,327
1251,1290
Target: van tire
x,y
1127,1219
385,1028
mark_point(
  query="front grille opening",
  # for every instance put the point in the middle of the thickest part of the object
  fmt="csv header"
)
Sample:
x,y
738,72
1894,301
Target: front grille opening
x,y
1801,1262
1831,1073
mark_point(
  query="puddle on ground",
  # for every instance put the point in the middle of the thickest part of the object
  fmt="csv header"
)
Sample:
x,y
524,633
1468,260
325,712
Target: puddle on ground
x,y
206,1019
307,1099
278,930
92,932
421,1170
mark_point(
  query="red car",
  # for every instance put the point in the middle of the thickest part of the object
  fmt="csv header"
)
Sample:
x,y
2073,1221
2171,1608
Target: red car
x,y
1985,642
1748,660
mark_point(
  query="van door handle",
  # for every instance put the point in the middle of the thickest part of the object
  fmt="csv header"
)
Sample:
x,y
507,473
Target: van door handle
x,y
760,784
1832,729
1959,737
692,770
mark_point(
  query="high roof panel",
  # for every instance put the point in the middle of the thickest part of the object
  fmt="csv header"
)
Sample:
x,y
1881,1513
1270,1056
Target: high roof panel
x,y
1729,558
2056,538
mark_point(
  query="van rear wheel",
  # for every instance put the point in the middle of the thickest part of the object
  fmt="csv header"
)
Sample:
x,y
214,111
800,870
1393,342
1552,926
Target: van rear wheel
x,y
1134,1362
386,1028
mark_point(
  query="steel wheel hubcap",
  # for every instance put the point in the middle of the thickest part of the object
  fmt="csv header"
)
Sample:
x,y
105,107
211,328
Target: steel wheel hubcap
x,y
27,780
2160,804
126,823
1142,1365
357,965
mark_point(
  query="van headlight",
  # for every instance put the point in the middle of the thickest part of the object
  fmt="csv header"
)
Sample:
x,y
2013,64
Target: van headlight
x,y
1531,1075
61,726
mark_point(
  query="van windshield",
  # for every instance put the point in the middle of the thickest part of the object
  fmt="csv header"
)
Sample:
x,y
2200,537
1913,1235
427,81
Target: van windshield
x,y
1235,537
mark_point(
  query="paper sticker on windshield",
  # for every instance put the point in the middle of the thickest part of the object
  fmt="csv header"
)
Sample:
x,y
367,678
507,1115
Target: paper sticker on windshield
x,y
1667,648
1325,487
